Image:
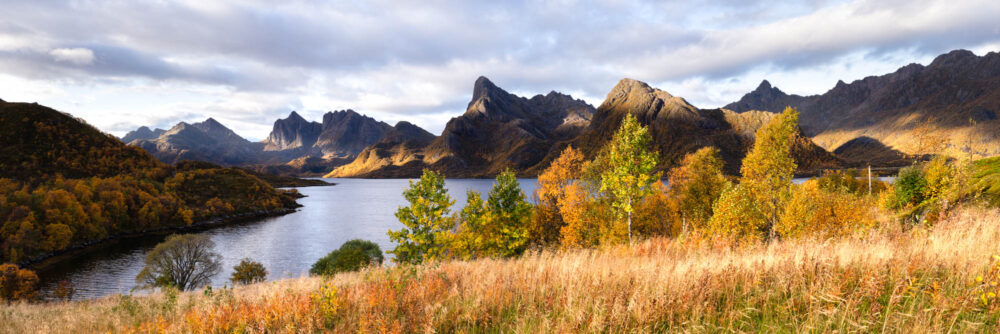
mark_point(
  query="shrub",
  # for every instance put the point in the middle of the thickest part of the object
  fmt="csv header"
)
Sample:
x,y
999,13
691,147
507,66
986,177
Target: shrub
x,y
248,272
818,212
351,256
17,284
909,188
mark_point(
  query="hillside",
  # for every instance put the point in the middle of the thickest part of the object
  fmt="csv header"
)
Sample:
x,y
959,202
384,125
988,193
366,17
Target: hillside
x,y
67,185
38,142
949,106
918,280
678,128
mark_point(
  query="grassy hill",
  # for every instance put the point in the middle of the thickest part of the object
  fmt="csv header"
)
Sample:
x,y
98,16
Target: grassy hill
x,y
889,279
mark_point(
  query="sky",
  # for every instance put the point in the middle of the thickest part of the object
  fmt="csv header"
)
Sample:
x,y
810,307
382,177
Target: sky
x,y
124,64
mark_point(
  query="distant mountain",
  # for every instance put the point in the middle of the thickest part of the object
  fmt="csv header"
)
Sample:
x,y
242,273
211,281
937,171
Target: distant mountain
x,y
142,133
498,130
678,128
949,106
294,147
208,141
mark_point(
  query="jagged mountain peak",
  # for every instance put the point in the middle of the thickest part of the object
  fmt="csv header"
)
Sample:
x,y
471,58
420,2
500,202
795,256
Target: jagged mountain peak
x,y
638,97
143,132
294,115
955,57
764,85
483,87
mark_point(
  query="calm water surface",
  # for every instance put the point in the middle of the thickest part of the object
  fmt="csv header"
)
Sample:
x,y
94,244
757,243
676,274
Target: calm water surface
x,y
287,245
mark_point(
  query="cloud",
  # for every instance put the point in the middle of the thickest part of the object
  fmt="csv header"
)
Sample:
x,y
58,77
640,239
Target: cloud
x,y
252,61
78,56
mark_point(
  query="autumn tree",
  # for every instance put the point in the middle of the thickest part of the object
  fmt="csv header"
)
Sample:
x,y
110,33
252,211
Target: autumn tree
x,y
17,284
426,220
468,241
818,212
695,185
753,207
183,261
248,272
547,222
629,170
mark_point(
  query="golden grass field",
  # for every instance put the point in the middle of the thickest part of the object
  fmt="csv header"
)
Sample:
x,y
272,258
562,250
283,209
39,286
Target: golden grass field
x,y
920,280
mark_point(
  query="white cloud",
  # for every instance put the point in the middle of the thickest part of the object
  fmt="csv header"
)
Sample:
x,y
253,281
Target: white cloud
x,y
78,56
249,62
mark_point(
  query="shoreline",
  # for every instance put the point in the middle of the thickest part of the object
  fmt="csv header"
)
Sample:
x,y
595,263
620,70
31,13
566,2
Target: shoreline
x,y
45,261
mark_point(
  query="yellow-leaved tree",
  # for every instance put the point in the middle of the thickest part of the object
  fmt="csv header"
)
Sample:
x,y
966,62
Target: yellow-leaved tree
x,y
753,208
695,185
813,211
628,176
547,222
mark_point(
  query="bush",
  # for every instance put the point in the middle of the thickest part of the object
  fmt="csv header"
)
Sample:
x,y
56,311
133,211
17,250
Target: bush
x,y
17,284
351,256
909,188
814,211
248,272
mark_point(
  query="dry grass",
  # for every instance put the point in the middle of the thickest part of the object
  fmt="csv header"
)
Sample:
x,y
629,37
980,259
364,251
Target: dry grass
x,y
920,280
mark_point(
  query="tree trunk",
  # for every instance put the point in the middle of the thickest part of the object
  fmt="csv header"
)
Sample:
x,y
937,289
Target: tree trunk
x,y
630,228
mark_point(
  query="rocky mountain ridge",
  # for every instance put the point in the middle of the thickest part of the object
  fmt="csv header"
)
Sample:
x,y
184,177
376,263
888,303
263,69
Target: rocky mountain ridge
x,y
948,106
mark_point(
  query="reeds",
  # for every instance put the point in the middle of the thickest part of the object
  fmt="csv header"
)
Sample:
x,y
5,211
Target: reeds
x,y
920,279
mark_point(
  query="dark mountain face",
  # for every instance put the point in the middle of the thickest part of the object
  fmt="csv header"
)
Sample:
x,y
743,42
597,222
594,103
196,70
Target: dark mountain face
x,y
498,130
679,128
346,133
142,133
293,132
954,100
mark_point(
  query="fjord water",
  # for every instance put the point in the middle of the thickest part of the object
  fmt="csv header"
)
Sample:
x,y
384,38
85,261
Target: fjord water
x,y
287,245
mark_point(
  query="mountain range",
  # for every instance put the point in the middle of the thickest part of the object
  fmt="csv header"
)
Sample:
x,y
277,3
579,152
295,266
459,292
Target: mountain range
x,y
948,106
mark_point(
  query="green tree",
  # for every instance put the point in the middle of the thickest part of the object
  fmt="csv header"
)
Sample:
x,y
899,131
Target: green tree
x,y
426,220
765,184
248,272
509,214
351,256
695,185
497,227
183,261
629,170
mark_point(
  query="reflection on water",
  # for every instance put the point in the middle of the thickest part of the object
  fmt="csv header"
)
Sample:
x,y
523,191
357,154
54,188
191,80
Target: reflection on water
x,y
287,245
